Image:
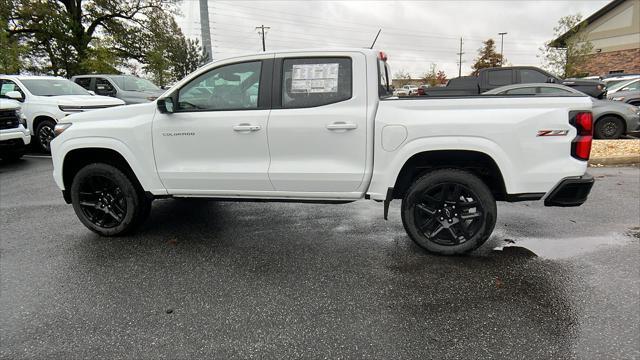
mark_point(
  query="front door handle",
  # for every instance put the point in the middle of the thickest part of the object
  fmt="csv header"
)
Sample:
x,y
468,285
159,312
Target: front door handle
x,y
342,126
246,127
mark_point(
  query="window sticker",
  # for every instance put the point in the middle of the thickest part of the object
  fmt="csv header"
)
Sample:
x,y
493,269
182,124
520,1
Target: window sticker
x,y
315,78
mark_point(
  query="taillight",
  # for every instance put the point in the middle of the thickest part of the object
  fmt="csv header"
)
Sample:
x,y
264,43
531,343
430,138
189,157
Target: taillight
x,y
581,145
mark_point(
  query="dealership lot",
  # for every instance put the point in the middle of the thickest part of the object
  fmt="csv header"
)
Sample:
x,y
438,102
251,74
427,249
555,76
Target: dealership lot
x,y
225,280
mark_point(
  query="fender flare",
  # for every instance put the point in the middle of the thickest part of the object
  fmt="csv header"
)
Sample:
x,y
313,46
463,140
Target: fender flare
x,y
146,175
446,143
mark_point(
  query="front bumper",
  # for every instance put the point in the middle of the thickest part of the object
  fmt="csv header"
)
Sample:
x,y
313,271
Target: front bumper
x,y
570,192
15,137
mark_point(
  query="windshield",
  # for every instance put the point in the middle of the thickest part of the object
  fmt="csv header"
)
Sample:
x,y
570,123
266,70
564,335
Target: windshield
x,y
132,83
53,87
622,84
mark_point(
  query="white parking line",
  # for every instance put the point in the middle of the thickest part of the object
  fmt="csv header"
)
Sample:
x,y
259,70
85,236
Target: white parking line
x,y
38,156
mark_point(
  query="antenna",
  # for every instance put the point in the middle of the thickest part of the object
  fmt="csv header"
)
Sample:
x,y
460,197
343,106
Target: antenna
x,y
374,40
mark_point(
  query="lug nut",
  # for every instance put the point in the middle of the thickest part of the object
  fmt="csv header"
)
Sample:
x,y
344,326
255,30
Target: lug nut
x,y
450,220
441,218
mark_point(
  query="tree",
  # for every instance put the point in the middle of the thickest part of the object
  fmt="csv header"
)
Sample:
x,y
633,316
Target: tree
x,y
403,77
434,77
487,57
64,31
10,49
567,56
441,78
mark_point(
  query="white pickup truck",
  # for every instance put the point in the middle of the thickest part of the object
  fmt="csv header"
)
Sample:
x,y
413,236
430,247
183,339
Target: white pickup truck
x,y
320,126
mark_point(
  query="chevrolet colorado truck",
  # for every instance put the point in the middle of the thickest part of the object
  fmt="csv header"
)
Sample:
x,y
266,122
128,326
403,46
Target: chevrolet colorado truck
x,y
321,126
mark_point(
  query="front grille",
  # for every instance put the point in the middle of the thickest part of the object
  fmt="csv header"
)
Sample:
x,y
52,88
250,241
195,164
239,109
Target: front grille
x,y
8,119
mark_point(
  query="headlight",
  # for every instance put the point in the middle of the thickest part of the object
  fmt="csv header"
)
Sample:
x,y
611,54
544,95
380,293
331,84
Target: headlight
x,y
620,98
21,118
60,128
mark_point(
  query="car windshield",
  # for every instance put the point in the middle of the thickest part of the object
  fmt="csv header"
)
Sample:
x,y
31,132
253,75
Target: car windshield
x,y
622,84
132,83
53,87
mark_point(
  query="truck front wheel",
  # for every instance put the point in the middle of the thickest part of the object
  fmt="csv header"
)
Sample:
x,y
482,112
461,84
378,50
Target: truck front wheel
x,y
449,212
107,201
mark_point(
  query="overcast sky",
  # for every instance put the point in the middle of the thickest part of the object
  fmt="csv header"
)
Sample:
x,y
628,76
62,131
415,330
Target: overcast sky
x,y
414,33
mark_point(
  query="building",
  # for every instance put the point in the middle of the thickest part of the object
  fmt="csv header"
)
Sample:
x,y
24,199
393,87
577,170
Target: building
x,y
614,32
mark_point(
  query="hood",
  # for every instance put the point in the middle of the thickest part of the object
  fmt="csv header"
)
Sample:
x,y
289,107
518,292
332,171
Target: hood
x,y
86,100
143,94
114,113
611,105
7,104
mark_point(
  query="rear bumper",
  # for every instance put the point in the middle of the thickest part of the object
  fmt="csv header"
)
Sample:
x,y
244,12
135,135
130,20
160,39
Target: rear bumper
x,y
570,192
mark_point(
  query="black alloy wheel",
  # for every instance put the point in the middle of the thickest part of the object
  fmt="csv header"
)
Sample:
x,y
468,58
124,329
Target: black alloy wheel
x,y
449,214
449,211
102,201
107,200
44,134
609,128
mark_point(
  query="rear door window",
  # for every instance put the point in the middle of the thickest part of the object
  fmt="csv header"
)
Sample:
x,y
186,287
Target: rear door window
x,y
500,77
532,76
310,82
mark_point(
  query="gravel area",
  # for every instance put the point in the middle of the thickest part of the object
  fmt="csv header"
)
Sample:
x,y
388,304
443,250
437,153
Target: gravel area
x,y
608,148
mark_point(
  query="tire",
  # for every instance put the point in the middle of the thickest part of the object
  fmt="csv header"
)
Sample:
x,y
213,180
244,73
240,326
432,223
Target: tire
x,y
456,223
44,134
107,201
609,127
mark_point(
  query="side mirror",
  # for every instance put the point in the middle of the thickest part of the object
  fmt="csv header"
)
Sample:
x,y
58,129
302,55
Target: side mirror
x,y
551,80
15,95
165,105
93,93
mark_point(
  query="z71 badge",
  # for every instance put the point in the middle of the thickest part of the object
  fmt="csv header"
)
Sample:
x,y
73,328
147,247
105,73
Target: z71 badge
x,y
553,132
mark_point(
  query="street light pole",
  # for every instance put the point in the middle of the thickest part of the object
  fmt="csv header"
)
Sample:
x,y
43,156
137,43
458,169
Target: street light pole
x,y
502,34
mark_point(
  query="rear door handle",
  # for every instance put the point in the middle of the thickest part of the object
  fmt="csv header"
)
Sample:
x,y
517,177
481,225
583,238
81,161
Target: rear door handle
x,y
342,126
246,127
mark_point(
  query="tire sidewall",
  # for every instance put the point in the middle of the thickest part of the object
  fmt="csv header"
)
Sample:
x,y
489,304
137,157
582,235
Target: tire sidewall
x,y
467,179
132,198
608,119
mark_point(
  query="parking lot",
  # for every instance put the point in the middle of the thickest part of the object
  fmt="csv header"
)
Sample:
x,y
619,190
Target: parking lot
x,y
274,280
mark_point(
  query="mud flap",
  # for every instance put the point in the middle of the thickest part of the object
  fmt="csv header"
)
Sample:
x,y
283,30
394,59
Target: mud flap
x,y
387,201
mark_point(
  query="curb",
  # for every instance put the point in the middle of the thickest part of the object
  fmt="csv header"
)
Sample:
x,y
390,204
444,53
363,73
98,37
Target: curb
x,y
615,160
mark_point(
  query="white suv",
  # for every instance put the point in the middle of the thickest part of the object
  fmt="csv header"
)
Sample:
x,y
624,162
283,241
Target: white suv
x,y
14,136
45,100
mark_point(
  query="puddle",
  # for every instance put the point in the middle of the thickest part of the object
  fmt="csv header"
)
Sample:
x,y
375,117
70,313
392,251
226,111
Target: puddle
x,y
563,248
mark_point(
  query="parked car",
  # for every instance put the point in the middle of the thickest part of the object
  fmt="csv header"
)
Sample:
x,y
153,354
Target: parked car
x,y
401,92
14,136
128,88
615,80
628,92
449,160
411,89
611,119
492,78
45,100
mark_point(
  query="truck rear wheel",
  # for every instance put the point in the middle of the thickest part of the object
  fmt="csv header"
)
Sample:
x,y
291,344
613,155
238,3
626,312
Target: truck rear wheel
x,y
107,201
449,212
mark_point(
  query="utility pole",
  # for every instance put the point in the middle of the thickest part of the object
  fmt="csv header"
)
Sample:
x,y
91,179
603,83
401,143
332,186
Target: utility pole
x,y
205,33
460,59
261,30
502,34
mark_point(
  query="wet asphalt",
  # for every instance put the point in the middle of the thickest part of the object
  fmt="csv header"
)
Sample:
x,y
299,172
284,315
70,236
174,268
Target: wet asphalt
x,y
206,279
